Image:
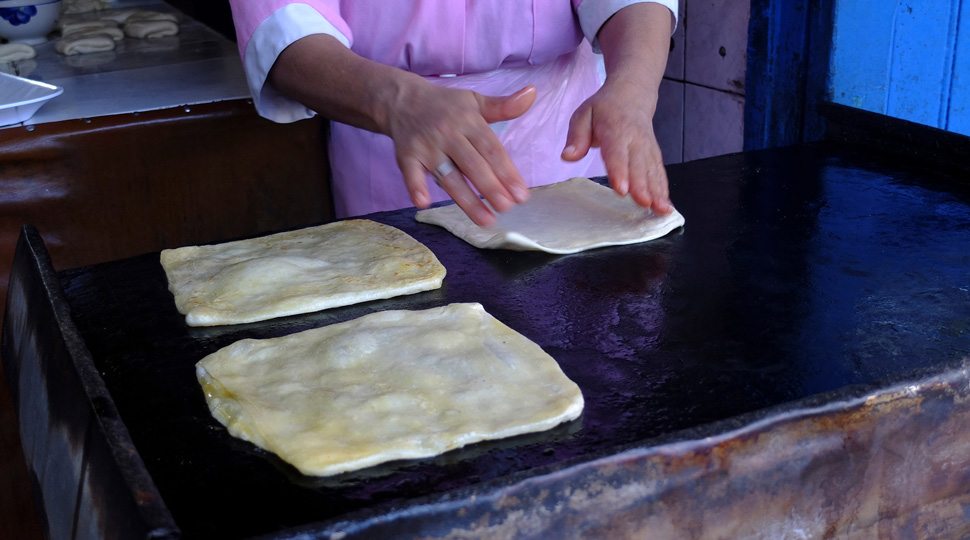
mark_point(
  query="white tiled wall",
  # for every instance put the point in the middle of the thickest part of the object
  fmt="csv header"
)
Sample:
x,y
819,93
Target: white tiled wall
x,y
700,112
713,122
668,121
717,43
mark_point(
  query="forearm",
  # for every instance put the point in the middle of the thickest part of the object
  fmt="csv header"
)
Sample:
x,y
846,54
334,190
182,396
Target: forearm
x,y
323,74
635,42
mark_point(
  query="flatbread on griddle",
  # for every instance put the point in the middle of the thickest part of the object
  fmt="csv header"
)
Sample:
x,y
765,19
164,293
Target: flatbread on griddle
x,y
561,218
295,272
389,385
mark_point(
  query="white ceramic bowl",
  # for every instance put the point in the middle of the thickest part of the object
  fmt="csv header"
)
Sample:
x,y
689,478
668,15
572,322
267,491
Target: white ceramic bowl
x,y
28,21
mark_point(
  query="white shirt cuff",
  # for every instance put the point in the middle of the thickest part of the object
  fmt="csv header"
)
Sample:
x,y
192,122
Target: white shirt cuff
x,y
594,13
277,32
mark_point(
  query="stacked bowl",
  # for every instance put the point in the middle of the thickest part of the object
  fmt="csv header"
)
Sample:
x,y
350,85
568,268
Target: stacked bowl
x,y
28,21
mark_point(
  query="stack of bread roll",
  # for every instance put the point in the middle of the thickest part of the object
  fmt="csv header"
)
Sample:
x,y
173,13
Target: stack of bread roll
x,y
90,35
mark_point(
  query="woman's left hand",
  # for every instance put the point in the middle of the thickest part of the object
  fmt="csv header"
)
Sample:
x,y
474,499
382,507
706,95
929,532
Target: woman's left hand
x,y
618,119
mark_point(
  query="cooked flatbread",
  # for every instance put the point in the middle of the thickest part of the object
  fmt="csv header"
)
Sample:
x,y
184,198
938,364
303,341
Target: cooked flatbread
x,y
84,44
151,29
561,218
71,26
15,52
145,15
82,6
390,385
294,272
113,32
117,16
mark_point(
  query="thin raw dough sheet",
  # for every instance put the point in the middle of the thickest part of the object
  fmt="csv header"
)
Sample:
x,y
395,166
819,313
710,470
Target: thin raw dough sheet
x,y
295,272
561,218
389,385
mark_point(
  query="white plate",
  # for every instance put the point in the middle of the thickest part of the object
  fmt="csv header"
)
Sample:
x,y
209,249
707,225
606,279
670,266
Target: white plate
x,y
20,98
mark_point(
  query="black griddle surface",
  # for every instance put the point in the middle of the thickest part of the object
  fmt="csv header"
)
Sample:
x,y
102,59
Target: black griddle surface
x,y
800,271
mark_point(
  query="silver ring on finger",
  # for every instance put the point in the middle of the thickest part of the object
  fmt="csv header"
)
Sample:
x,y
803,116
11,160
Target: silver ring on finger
x,y
443,169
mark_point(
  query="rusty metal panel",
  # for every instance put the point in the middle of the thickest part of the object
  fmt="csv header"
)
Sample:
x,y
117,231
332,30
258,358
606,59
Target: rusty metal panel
x,y
893,463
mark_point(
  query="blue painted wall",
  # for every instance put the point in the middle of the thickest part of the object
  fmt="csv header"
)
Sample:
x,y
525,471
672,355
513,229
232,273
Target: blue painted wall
x,y
905,58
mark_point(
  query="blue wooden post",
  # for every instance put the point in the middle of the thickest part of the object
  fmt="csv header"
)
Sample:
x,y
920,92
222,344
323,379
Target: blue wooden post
x,y
788,53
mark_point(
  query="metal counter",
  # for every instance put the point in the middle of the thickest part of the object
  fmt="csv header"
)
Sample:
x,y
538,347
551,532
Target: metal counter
x,y
196,66
795,361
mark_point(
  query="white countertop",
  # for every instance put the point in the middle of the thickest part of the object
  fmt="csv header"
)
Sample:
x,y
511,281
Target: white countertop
x,y
196,66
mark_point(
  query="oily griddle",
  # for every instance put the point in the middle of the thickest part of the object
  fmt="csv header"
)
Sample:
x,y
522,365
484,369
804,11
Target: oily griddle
x,y
801,271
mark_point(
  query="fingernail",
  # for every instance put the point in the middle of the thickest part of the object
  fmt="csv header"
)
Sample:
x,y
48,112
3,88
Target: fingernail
x,y
525,91
485,219
520,193
501,202
569,150
420,200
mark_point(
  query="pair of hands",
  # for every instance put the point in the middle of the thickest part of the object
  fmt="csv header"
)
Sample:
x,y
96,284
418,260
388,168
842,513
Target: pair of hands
x,y
432,125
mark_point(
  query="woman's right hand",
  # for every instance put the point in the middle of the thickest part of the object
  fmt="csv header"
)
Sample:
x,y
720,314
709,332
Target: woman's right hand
x,y
430,125
434,128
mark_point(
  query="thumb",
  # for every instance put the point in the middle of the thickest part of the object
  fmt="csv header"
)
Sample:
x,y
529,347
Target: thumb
x,y
499,108
579,139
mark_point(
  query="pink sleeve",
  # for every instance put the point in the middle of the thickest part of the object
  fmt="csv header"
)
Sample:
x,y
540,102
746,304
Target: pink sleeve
x,y
249,14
